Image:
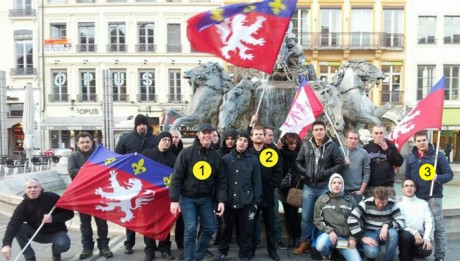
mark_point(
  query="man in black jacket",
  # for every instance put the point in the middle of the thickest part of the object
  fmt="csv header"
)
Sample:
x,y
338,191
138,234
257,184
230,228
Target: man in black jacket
x,y
318,159
197,182
28,216
384,157
76,160
138,140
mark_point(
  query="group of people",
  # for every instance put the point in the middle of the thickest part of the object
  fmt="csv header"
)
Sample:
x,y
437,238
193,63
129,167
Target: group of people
x,y
348,201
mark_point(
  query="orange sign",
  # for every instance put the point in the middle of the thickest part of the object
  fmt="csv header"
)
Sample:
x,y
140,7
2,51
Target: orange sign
x,y
55,41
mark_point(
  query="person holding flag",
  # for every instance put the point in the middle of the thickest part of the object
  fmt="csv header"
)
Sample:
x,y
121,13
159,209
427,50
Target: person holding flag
x,y
421,168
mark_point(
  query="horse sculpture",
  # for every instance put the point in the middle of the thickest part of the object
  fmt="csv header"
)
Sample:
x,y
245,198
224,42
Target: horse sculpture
x,y
209,83
352,80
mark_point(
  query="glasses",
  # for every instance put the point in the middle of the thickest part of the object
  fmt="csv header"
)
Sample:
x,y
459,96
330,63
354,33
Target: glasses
x,y
166,139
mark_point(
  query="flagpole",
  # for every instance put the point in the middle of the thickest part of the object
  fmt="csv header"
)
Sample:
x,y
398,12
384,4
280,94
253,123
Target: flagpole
x,y
435,161
33,236
264,81
335,131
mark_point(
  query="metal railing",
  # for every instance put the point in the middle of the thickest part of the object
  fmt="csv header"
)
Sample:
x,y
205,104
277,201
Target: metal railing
x,y
86,48
351,40
58,97
174,48
22,12
120,97
112,48
146,47
87,97
395,97
23,71
143,97
174,98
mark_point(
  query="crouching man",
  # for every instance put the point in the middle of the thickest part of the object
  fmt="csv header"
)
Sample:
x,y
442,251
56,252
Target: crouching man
x,y
27,217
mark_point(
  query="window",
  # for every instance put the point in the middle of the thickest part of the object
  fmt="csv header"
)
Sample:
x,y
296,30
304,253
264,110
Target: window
x,y
301,27
86,34
22,8
117,37
88,85
60,139
175,86
327,70
361,28
15,109
24,53
452,29
452,81
426,30
393,28
174,41
57,1
391,85
425,76
146,37
23,4
58,31
147,86
119,85
330,28
59,82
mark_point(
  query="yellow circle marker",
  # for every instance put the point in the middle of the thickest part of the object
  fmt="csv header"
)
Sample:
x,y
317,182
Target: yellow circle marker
x,y
268,158
427,171
202,170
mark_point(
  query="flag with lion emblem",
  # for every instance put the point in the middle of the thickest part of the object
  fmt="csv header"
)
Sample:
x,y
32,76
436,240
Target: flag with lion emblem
x,y
129,190
246,35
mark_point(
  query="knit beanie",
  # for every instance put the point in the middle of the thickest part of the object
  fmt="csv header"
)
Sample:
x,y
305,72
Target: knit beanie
x,y
140,119
164,134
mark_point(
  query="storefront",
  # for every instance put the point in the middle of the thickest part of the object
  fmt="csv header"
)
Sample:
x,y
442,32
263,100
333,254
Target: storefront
x,y
450,134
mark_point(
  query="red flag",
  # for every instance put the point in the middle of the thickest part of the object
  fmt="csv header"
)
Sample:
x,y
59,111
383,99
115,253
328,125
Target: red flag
x,y
305,109
246,35
129,190
426,114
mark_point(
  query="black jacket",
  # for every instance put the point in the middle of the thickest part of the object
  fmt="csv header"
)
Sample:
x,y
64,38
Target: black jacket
x,y
31,211
132,142
243,177
186,184
270,178
166,157
176,150
76,160
329,161
382,164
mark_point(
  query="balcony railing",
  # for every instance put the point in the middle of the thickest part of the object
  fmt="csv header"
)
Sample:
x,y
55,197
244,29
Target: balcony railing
x,y
174,98
22,13
121,97
86,48
174,48
23,71
113,48
395,97
453,39
87,97
58,97
146,47
143,97
351,40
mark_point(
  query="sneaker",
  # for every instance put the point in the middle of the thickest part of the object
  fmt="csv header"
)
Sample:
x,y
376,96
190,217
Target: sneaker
x,y
56,257
150,257
439,259
86,253
326,258
128,250
274,256
105,252
31,259
219,257
167,255
280,245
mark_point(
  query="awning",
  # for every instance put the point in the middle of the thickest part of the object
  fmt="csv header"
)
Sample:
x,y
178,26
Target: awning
x,y
450,117
73,123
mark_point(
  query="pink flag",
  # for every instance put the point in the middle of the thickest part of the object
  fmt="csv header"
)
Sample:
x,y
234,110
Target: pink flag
x,y
425,115
305,109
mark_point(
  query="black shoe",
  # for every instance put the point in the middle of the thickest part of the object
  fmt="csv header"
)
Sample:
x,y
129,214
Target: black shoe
x,y
280,245
86,253
31,259
219,257
181,255
252,254
149,257
105,252
167,255
128,250
370,259
209,253
274,256
439,259
56,257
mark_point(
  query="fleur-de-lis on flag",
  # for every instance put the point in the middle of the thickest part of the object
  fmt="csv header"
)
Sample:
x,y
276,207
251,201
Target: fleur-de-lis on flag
x,y
108,161
167,180
138,167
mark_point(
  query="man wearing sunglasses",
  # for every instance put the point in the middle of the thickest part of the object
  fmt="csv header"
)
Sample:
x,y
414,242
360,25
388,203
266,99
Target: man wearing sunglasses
x,y
384,157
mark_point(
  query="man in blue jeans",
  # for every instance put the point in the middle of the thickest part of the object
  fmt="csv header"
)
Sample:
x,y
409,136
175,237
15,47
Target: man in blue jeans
x,y
382,218
318,159
197,182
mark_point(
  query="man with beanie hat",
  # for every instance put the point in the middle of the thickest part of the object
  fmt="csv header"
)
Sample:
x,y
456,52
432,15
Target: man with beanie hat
x,y
138,140
330,217
163,155
244,194
228,142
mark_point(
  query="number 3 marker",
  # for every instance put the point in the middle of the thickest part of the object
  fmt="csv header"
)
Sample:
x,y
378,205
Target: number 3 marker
x,y
202,170
426,172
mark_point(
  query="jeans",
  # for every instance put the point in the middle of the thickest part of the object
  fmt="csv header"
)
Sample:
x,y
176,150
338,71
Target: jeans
x,y
87,232
276,218
60,240
192,210
309,197
408,249
390,244
323,245
440,241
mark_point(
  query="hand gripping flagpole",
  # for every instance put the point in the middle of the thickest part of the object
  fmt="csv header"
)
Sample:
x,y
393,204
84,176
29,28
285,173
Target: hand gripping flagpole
x,y
33,236
435,162
335,131
264,81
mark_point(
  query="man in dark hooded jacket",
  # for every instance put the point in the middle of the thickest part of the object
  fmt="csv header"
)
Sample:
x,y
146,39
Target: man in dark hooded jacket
x,y
138,140
228,142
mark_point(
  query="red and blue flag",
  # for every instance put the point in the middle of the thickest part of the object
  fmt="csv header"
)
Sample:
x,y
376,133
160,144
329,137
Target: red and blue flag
x,y
246,35
129,190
